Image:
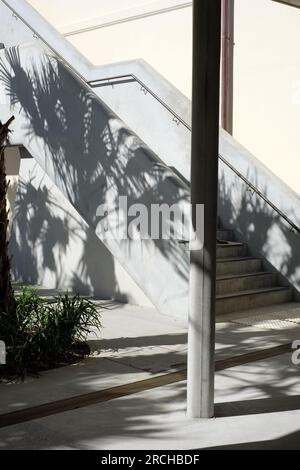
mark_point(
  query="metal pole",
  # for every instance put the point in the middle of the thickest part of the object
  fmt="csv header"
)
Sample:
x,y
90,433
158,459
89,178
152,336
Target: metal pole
x,y
227,65
204,188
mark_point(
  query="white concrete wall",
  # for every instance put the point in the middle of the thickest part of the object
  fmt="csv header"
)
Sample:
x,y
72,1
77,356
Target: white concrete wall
x,y
93,158
53,247
267,85
163,40
12,30
283,198
253,220
267,62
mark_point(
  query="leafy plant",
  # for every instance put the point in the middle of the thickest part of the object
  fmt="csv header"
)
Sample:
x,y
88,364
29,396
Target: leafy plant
x,y
46,332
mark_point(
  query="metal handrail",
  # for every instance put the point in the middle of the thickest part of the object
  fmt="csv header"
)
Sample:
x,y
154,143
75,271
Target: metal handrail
x,y
112,81
177,119
144,87
260,194
37,36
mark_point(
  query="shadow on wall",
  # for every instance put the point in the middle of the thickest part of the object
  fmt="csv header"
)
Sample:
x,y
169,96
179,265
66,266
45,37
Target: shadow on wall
x,y
52,246
257,224
92,158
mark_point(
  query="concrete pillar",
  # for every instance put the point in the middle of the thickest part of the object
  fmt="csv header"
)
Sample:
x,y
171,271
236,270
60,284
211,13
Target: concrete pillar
x,y
204,187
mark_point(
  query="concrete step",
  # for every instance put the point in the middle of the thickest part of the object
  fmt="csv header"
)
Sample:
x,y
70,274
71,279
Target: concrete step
x,y
227,266
243,282
231,250
248,299
224,234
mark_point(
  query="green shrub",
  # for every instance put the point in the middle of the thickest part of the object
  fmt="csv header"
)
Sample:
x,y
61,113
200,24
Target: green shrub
x,y
44,332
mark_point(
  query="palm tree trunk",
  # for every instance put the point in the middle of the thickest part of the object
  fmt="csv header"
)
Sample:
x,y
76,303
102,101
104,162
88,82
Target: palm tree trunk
x,y
7,299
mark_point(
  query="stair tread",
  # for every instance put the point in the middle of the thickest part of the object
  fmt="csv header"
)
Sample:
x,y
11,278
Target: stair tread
x,y
238,276
253,292
230,244
238,258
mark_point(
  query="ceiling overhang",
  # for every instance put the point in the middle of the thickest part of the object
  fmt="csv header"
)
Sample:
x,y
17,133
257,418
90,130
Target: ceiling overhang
x,y
292,3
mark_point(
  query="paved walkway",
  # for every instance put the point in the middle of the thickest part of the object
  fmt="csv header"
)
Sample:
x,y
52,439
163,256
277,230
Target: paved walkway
x,y
257,401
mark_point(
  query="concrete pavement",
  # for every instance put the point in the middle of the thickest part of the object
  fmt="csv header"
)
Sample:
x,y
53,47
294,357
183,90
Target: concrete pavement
x,y
257,404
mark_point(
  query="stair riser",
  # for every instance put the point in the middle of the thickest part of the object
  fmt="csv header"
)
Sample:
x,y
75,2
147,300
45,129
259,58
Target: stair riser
x,y
238,267
226,235
225,286
245,302
231,251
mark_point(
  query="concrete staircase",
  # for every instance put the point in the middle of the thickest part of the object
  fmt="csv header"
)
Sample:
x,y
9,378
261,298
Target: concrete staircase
x,y
242,283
